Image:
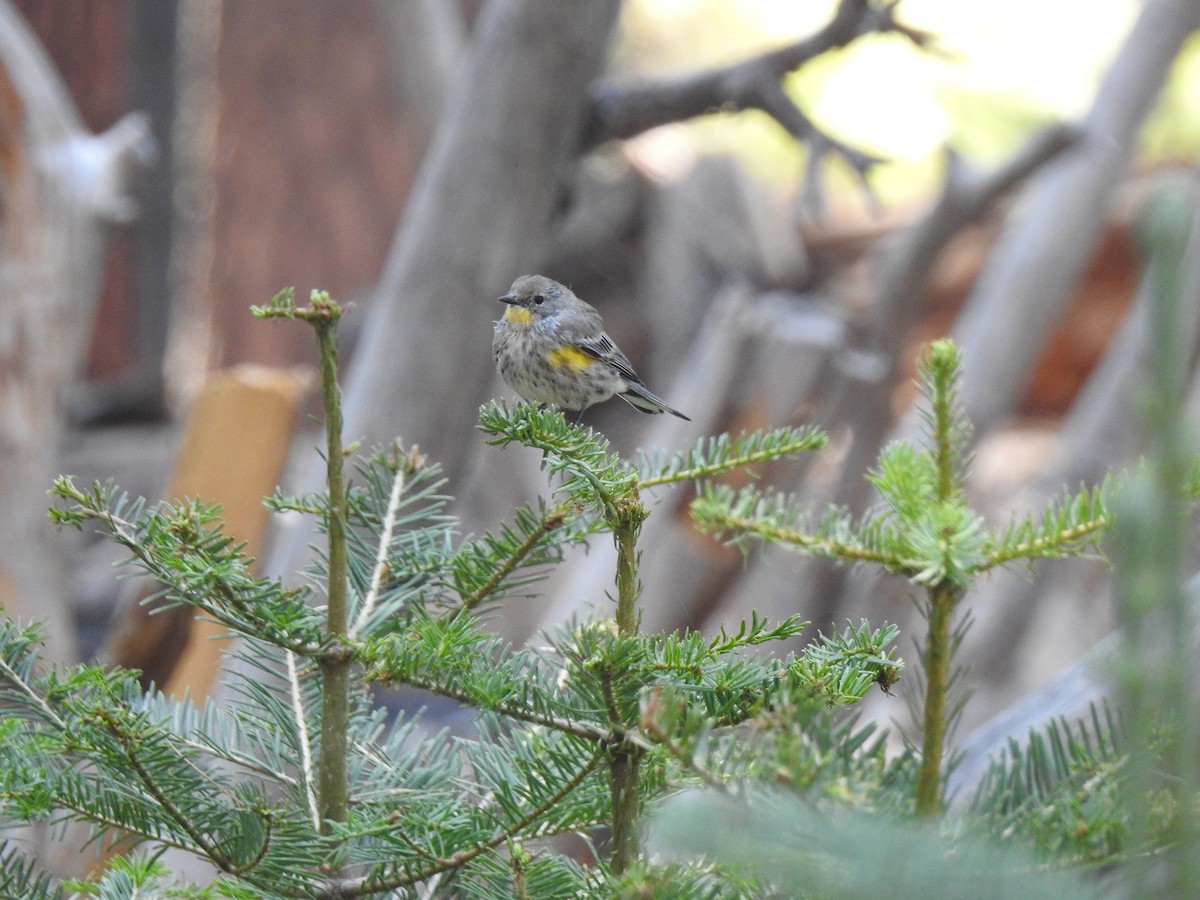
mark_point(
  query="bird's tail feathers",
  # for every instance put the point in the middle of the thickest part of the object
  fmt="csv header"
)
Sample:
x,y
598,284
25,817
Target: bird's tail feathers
x,y
642,398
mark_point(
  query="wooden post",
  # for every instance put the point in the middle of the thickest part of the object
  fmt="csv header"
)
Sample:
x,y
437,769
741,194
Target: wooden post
x,y
232,453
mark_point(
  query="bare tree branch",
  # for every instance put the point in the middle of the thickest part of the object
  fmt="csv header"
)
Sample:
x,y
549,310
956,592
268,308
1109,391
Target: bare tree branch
x,y
775,102
622,110
966,196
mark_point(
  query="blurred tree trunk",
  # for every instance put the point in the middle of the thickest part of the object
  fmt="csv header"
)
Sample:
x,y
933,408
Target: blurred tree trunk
x,y
427,41
61,188
480,214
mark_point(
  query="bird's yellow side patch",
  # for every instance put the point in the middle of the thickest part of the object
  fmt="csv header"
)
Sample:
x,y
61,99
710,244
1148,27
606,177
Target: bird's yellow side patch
x,y
515,315
566,357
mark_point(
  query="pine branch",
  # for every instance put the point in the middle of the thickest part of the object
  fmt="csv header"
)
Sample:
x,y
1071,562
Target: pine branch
x,y
514,557
115,768
378,883
842,667
182,548
399,539
580,455
772,518
1061,789
450,657
385,541
516,711
131,745
757,632
19,877
717,455
925,531
307,768
651,727
18,657
1066,529
940,369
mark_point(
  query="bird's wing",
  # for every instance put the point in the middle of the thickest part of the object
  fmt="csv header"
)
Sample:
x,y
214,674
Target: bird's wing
x,y
603,348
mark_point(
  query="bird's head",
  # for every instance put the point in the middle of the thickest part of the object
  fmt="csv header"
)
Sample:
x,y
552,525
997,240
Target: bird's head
x,y
533,297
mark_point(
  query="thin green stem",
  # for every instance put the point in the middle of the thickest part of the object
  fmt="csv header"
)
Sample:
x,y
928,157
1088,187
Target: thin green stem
x,y
199,837
624,765
625,758
816,546
805,439
1045,545
941,365
130,535
335,662
627,524
942,600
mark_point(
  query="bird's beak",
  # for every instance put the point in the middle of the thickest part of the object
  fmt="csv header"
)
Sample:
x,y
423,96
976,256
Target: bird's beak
x,y
507,298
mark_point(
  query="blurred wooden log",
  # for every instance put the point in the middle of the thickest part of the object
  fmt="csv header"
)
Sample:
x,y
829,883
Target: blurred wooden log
x,y
233,451
1037,265
712,225
59,187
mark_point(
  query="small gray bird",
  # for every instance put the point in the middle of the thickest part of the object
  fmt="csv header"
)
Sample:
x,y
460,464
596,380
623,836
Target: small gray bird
x,y
550,347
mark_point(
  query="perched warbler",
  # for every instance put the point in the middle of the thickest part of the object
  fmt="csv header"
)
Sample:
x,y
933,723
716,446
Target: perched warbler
x,y
550,347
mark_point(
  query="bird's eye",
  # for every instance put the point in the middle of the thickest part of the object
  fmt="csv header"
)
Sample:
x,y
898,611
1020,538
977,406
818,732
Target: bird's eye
x,y
539,299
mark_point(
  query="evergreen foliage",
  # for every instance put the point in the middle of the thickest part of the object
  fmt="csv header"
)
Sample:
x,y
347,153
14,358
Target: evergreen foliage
x,y
1060,790
690,765
576,736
